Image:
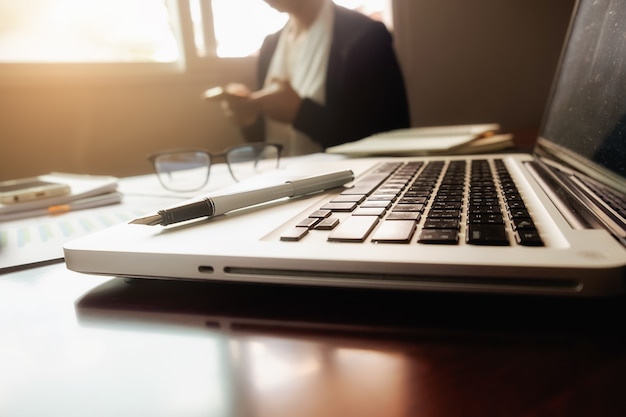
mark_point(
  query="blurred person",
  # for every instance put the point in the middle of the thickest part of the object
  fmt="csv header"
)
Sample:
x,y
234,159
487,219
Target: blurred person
x,y
328,77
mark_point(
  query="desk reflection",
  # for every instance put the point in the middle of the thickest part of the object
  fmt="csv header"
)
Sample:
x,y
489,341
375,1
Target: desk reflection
x,y
280,377
253,364
272,351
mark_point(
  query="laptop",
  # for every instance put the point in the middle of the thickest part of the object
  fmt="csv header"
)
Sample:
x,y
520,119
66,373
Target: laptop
x,y
547,223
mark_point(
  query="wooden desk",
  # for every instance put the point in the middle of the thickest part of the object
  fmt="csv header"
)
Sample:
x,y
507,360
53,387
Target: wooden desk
x,y
78,345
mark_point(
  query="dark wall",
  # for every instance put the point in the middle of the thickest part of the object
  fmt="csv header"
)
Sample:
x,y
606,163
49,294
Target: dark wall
x,y
470,61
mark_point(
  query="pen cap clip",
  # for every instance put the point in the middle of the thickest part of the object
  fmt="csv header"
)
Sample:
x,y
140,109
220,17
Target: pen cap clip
x,y
321,182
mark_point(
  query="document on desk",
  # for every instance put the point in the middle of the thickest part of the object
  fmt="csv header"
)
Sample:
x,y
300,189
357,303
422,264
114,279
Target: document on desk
x,y
40,239
90,190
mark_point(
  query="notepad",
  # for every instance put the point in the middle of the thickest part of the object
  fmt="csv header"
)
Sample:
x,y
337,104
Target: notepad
x,y
96,189
456,139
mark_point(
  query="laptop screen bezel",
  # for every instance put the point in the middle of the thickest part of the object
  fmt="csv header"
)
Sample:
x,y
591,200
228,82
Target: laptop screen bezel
x,y
558,155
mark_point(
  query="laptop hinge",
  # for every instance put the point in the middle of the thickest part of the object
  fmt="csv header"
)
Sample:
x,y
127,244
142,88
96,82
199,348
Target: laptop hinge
x,y
576,202
577,215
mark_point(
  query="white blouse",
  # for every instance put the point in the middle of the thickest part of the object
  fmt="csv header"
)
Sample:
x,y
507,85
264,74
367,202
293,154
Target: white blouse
x,y
302,59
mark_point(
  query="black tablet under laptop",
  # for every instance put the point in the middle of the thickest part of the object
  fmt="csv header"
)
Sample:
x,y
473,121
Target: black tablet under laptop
x,y
548,223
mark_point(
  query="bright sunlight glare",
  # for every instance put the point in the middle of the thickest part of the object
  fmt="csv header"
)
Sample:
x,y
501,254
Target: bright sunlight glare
x,y
240,26
137,30
86,31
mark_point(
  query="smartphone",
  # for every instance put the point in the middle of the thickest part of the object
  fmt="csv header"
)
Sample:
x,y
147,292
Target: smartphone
x,y
28,189
217,93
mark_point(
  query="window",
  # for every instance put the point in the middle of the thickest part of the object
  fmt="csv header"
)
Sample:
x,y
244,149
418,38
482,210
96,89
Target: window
x,y
86,31
142,31
240,26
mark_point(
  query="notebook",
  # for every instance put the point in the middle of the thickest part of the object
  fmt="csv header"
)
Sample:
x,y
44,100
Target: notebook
x,y
456,139
547,223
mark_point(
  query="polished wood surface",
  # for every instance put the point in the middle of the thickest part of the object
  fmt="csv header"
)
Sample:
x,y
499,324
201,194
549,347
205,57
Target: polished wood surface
x,y
77,345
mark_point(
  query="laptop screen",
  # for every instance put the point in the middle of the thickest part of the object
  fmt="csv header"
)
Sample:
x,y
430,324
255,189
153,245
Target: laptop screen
x,y
585,123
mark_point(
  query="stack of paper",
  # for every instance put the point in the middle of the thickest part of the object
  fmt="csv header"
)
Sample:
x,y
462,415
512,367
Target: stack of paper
x,y
437,140
86,191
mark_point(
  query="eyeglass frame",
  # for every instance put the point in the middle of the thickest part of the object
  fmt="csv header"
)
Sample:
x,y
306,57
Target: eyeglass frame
x,y
223,155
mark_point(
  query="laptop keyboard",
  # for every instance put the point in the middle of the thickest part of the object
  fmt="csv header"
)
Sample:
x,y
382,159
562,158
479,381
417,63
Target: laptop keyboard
x,y
431,203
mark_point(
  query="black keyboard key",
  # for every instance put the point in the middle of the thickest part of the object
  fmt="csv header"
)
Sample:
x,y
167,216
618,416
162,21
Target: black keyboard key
x,y
519,214
515,205
413,200
523,224
447,205
512,197
486,234
418,192
439,236
444,198
404,215
485,209
409,207
444,214
485,218
482,201
441,223
528,237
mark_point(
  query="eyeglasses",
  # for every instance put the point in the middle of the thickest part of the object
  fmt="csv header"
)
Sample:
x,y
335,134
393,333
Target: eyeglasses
x,y
188,169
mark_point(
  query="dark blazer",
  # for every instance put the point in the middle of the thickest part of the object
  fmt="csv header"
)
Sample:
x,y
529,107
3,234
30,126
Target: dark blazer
x,y
365,90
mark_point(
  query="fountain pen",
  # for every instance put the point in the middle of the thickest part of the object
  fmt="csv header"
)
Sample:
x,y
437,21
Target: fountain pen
x,y
221,204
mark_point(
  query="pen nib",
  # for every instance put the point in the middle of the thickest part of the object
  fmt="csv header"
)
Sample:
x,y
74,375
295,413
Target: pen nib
x,y
148,220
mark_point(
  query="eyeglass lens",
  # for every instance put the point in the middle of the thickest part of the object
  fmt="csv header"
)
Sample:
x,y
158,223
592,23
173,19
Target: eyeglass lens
x,y
247,161
183,171
189,170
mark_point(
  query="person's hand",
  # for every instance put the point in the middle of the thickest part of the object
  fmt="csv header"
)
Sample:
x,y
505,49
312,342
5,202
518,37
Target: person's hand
x,y
238,104
279,101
